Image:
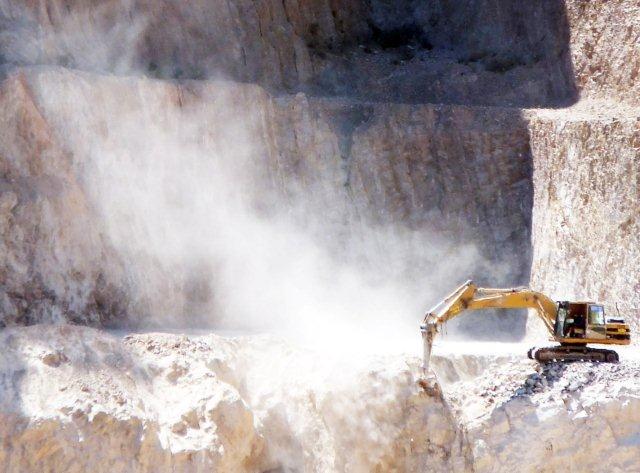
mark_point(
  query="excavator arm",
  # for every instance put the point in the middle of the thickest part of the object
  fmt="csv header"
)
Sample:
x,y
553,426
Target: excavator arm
x,y
470,297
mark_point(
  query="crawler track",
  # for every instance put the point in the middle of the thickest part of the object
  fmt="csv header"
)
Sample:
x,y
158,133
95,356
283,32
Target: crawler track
x,y
572,353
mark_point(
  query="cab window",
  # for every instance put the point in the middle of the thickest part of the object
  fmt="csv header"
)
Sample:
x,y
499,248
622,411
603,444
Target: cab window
x,y
596,315
562,315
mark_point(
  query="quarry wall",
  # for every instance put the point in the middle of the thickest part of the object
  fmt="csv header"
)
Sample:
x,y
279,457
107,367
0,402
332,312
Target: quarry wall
x,y
457,170
353,179
322,168
604,49
491,52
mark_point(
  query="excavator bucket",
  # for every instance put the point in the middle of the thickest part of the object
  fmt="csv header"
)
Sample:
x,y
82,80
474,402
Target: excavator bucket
x,y
428,332
447,307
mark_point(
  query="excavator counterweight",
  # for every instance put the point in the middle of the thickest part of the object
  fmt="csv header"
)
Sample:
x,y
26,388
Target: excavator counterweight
x,y
571,324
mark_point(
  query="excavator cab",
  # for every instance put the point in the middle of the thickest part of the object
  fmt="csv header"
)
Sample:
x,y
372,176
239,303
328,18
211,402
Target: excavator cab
x,y
576,321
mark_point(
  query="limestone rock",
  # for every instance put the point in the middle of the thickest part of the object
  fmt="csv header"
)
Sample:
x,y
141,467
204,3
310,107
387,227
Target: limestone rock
x,y
585,214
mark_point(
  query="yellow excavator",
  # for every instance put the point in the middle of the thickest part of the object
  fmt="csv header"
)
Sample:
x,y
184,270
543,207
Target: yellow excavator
x,y
571,324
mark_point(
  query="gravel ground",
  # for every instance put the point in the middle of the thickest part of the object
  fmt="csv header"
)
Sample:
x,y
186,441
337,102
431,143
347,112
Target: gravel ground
x,y
477,378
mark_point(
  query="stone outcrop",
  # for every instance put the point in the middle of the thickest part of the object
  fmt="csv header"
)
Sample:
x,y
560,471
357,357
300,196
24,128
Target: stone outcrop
x,y
523,416
161,402
45,222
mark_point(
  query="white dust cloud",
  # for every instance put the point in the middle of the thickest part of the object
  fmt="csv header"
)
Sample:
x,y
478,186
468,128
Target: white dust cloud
x,y
185,195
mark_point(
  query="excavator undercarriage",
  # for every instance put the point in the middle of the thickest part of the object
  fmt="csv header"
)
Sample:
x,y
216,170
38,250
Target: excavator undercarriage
x,y
572,353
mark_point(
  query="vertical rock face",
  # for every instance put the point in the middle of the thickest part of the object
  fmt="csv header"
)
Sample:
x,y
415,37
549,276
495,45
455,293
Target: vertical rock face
x,y
364,173
585,214
448,170
605,49
490,52
420,172
585,161
51,255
